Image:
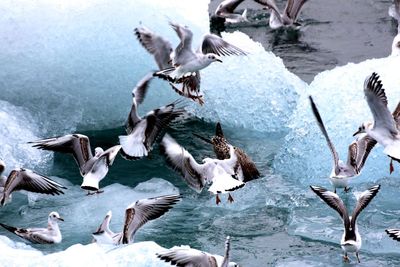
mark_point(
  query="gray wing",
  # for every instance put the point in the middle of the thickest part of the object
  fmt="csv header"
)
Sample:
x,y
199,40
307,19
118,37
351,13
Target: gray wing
x,y
215,44
334,202
228,6
160,48
363,202
325,133
33,235
377,102
76,144
269,4
23,179
292,9
183,162
105,225
144,210
396,116
358,152
187,257
394,233
183,52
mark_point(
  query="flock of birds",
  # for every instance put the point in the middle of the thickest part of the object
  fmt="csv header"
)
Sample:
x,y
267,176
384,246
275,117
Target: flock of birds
x,y
230,170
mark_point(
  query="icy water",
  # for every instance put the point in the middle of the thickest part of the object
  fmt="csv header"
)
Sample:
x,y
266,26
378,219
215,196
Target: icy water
x,y
70,67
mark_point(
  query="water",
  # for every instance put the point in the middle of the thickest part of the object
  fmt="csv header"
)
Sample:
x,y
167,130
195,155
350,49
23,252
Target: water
x,y
73,69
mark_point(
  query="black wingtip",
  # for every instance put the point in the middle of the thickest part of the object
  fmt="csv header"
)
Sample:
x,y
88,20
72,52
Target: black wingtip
x,y
218,130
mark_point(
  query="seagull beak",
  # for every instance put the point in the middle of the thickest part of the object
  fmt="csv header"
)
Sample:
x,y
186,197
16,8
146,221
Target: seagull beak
x,y
358,132
218,59
60,219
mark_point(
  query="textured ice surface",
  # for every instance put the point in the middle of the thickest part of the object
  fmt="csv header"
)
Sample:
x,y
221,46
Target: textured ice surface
x,y
76,65
339,95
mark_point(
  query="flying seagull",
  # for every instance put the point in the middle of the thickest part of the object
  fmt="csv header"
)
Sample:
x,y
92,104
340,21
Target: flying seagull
x,y
351,239
136,215
93,168
161,50
24,179
218,172
394,12
187,257
222,147
289,15
49,235
386,126
357,155
226,8
143,132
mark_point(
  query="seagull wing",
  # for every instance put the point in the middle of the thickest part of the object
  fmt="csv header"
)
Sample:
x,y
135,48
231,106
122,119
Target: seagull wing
x,y
325,133
377,102
228,6
334,202
215,44
183,162
76,144
35,236
144,210
394,233
270,4
358,152
292,9
155,45
105,225
396,116
394,10
363,202
188,257
183,52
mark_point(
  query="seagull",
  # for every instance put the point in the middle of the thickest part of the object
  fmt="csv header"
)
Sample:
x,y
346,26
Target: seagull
x,y
386,126
136,215
143,132
218,172
394,12
161,50
222,148
187,257
358,153
394,233
92,168
49,235
24,179
351,239
225,10
187,63
289,15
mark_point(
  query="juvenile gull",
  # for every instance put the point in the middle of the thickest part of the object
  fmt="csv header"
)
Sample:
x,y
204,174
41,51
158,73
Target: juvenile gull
x,y
357,155
386,126
93,168
136,215
188,257
49,235
289,15
218,172
351,239
161,50
222,147
226,8
24,179
143,132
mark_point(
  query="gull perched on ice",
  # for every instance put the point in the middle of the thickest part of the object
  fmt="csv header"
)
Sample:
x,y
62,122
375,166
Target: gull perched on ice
x,y
218,172
226,8
92,168
161,50
49,235
136,215
187,63
143,132
222,150
386,126
24,179
289,15
351,239
357,155
394,12
188,257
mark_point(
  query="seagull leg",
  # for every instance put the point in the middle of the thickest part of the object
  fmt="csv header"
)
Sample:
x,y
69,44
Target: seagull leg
x,y
230,198
99,192
358,257
217,200
346,189
346,258
334,191
391,168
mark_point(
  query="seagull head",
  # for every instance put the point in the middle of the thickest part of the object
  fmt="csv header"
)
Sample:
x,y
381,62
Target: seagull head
x,y
362,128
54,216
211,57
98,151
2,166
396,46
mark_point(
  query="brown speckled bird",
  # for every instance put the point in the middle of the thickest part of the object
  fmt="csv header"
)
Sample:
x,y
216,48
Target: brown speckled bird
x,y
221,149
